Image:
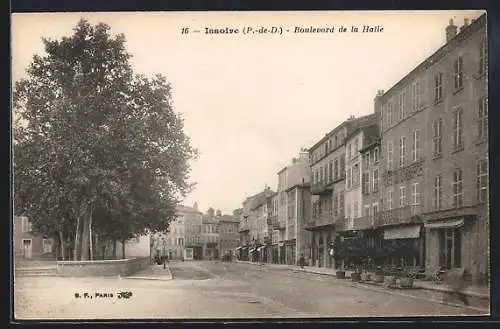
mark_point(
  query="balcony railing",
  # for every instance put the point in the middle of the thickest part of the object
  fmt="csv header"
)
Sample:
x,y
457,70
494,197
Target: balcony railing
x,y
326,218
323,187
404,215
354,224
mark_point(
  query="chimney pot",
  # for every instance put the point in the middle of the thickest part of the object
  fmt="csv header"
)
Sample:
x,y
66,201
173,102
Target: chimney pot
x,y
466,21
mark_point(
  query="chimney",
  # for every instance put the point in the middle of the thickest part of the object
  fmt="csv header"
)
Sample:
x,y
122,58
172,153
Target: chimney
x,y
466,23
195,206
451,31
377,106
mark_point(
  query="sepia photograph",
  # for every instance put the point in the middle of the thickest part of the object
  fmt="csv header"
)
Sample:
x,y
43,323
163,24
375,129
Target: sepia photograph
x,y
249,165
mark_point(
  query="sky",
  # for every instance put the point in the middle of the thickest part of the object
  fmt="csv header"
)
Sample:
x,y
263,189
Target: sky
x,y
252,101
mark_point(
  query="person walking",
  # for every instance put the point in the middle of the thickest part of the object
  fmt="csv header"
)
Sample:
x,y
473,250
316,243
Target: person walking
x,y
302,261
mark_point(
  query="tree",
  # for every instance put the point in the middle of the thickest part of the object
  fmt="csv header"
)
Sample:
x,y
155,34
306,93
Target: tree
x,y
99,148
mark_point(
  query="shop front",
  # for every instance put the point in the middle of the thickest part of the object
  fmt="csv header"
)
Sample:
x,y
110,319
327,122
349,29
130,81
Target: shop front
x,y
404,246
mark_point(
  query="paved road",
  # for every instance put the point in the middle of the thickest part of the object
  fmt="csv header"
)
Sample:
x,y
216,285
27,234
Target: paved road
x,y
215,290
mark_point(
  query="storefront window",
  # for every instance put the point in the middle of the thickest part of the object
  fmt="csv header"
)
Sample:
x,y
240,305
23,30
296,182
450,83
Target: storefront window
x,y
450,247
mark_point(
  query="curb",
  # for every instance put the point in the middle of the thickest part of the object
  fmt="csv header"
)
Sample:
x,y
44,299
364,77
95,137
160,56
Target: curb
x,y
169,276
373,287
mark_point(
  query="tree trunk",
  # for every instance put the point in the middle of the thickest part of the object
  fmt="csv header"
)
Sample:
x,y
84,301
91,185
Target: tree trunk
x,y
77,239
62,244
123,249
114,249
85,237
90,233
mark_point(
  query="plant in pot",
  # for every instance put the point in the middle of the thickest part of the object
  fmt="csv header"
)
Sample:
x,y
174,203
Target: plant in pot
x,y
406,281
378,277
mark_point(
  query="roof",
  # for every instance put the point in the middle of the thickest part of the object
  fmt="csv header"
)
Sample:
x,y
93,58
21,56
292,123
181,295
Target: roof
x,y
228,219
347,123
185,209
441,52
369,127
261,198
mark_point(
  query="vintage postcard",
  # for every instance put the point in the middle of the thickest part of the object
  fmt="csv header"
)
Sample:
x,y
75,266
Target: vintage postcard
x,y
250,165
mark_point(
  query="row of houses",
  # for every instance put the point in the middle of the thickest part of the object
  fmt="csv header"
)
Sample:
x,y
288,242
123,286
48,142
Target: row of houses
x,y
192,235
410,180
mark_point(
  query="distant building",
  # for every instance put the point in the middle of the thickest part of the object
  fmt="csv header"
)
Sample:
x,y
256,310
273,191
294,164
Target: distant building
x,y
210,237
229,236
28,245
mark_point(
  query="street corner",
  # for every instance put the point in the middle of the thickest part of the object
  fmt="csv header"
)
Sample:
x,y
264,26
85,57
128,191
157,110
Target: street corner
x,y
153,272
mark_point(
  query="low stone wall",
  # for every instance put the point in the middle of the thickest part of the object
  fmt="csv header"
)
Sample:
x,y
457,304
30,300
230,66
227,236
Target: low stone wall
x,y
122,267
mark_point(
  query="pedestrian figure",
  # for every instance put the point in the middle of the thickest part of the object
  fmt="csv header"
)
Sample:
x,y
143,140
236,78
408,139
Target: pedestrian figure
x,y
459,282
302,261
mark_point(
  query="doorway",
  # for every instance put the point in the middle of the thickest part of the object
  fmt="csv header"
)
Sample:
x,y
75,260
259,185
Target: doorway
x,y
27,248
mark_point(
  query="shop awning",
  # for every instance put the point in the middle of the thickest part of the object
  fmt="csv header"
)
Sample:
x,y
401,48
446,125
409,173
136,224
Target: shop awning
x,y
406,232
281,244
260,248
238,248
445,224
251,249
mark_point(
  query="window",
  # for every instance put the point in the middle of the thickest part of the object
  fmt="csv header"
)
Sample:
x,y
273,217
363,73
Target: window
x,y
349,153
375,180
342,166
390,155
348,211
389,114
348,178
367,211
335,139
356,209
438,192
375,209
437,146
483,57
389,199
402,150
356,147
415,95
341,203
336,169
366,183
457,129
458,72
26,225
330,171
336,205
415,194
450,247
483,118
482,181
366,162
47,245
457,188
416,145
376,152
355,175
438,87
402,101
402,196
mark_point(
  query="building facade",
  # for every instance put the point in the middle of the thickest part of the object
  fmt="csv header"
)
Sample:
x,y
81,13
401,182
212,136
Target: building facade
x,y
229,237
193,221
28,245
435,142
210,237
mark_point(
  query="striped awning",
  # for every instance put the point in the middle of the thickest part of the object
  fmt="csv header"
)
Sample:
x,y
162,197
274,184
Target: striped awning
x,y
445,224
260,248
251,249
238,248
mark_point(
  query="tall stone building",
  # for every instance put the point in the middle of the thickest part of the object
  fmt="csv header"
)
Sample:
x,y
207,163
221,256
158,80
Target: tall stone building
x,y
435,156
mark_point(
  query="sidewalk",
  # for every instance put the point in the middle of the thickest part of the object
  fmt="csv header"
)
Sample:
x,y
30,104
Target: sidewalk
x,y
480,293
153,272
